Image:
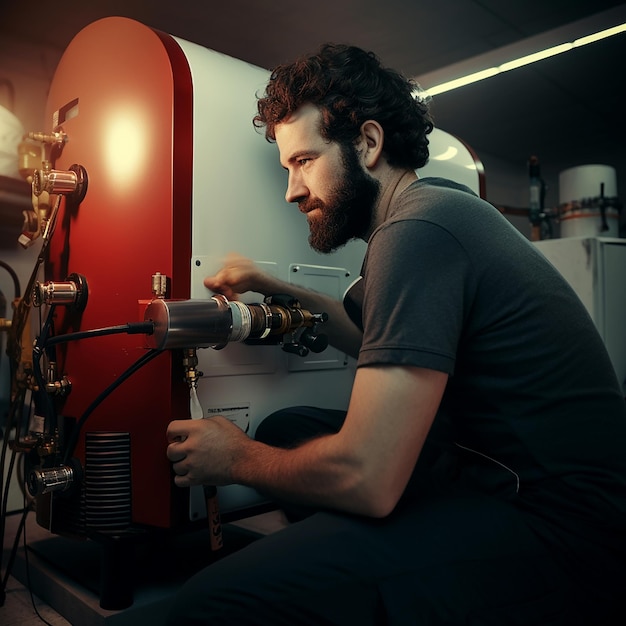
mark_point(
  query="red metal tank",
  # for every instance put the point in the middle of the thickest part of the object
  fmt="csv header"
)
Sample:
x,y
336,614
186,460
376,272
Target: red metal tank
x,y
122,94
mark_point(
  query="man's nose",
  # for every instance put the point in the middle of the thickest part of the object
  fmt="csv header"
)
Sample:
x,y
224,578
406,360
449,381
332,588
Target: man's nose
x,y
296,189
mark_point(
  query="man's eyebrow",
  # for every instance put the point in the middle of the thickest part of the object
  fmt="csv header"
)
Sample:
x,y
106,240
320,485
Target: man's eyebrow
x,y
293,158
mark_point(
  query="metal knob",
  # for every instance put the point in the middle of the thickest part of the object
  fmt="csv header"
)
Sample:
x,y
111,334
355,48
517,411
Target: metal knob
x,y
72,182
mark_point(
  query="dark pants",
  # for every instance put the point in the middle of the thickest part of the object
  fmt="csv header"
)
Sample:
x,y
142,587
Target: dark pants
x,y
449,557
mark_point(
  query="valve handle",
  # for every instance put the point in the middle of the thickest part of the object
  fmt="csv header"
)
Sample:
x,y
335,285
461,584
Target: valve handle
x,y
315,343
296,348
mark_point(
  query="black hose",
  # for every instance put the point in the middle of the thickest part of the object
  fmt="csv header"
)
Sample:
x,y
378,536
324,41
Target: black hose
x,y
138,364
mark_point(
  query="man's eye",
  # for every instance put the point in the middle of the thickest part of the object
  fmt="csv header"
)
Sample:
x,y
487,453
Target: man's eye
x,y
303,161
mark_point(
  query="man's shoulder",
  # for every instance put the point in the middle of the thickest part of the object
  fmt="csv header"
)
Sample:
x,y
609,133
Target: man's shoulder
x,y
439,187
438,199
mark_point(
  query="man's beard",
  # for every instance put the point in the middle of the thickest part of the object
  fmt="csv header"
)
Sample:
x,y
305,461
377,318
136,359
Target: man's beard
x,y
348,212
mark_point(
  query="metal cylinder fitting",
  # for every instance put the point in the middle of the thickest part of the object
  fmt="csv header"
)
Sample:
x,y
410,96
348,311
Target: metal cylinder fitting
x,y
72,292
189,323
42,481
71,182
63,182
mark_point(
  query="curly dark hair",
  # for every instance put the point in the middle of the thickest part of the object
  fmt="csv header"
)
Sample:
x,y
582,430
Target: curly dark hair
x,y
350,86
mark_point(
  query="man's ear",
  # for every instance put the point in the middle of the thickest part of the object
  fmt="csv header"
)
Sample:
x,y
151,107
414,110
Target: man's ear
x,y
371,139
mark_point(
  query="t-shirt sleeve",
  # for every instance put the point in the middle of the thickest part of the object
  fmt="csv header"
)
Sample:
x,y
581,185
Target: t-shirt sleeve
x,y
416,295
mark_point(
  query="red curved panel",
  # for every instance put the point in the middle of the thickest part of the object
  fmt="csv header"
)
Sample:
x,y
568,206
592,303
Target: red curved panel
x,y
123,95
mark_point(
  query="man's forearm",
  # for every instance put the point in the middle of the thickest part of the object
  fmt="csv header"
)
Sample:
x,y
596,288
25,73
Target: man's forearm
x,y
315,474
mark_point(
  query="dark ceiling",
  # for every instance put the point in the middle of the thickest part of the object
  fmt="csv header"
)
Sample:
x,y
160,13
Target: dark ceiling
x,y
568,110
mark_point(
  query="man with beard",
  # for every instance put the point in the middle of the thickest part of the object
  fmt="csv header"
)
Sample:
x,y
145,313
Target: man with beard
x,y
479,474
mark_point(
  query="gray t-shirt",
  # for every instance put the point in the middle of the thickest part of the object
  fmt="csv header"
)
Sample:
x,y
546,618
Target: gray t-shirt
x,y
535,411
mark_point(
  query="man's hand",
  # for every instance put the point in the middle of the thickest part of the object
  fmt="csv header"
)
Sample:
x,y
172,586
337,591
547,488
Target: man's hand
x,y
202,451
238,275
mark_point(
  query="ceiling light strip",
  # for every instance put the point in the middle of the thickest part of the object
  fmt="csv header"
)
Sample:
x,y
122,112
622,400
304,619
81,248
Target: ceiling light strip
x,y
523,60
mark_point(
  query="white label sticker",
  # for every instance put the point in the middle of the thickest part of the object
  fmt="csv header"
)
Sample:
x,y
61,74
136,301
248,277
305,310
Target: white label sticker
x,y
238,414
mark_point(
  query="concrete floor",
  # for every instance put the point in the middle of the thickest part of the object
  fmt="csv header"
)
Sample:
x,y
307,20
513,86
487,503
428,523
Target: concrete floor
x,y
23,609
63,574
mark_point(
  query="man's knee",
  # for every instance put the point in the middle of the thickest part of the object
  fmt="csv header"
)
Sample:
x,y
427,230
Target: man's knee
x,y
292,426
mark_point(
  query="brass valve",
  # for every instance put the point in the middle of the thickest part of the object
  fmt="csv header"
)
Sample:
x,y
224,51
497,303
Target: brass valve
x,y
72,182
